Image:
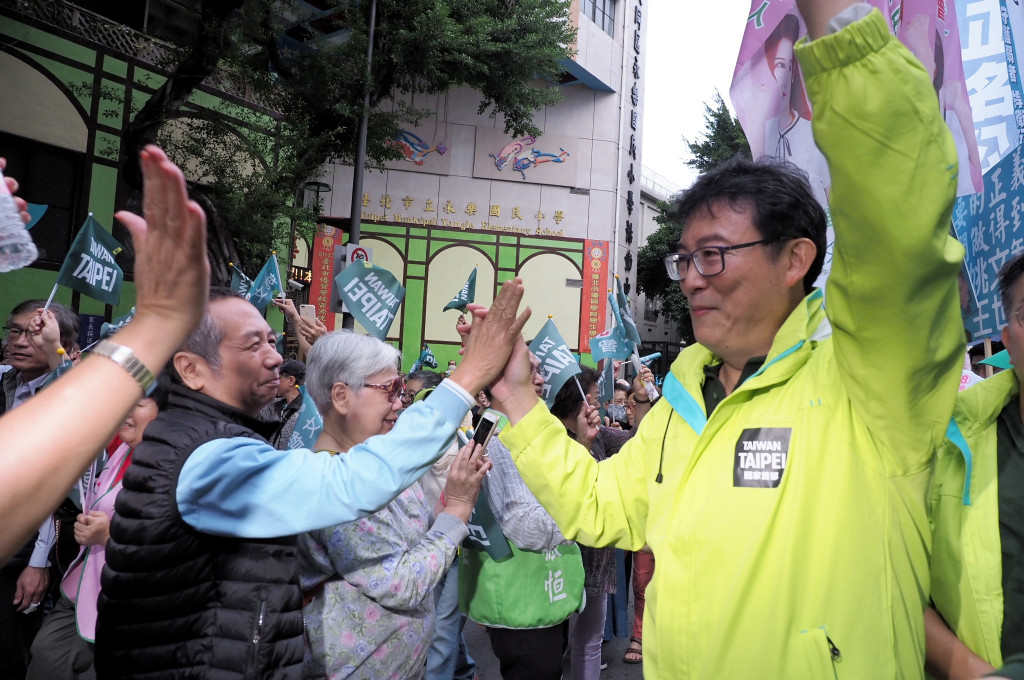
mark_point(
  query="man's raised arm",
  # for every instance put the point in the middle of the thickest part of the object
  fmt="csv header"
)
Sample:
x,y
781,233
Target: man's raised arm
x,y
892,294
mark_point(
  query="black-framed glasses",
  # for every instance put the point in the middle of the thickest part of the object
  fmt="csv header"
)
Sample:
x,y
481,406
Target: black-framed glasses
x,y
709,260
393,389
14,332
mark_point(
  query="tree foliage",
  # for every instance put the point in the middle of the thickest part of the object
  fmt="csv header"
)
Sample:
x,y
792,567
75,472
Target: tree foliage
x,y
723,139
250,162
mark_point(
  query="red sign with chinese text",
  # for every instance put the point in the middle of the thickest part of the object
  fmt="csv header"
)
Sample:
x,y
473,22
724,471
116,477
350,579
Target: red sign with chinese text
x,y
594,301
322,265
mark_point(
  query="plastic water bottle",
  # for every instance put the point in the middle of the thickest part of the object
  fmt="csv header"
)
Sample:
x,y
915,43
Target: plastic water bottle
x,y
16,247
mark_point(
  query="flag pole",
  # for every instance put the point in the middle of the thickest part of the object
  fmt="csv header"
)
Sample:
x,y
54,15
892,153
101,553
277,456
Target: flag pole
x,y
50,299
652,391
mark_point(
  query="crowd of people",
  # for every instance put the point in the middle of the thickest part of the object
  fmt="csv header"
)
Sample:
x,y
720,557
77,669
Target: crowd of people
x,y
819,499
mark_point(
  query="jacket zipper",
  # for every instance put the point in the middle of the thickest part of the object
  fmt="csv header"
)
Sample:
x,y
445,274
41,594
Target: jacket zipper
x,y
257,634
834,652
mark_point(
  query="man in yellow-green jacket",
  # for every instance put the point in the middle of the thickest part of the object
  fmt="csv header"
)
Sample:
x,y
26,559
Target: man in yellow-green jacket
x,y
781,482
978,514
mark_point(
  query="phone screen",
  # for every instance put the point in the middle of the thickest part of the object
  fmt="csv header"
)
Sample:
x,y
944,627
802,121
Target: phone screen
x,y
483,431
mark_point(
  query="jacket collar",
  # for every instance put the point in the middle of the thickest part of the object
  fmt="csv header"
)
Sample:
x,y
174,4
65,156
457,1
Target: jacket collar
x,y
978,407
185,398
805,326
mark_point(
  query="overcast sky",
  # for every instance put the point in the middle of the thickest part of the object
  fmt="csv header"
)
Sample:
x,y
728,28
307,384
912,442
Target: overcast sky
x,y
691,52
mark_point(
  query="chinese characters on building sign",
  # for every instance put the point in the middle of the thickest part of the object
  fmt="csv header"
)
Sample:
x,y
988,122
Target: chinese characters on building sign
x,y
455,215
634,115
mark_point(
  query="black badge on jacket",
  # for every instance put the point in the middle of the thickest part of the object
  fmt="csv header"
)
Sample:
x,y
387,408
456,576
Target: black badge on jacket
x,y
761,455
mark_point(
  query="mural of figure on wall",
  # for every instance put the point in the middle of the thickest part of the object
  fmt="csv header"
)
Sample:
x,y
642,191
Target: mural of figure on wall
x,y
513,151
414,148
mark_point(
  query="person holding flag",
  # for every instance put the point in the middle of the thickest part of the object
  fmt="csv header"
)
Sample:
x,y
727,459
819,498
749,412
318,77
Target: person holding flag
x,y
785,470
36,342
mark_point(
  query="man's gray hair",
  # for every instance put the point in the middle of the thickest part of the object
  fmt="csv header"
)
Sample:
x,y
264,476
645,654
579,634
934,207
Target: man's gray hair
x,y
344,357
205,340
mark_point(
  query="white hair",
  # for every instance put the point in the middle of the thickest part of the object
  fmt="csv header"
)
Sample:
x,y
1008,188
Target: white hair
x,y
345,357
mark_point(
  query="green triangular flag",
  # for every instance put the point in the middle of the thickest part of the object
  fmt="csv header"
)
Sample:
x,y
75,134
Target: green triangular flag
x,y
89,267
266,284
464,296
240,283
372,295
557,363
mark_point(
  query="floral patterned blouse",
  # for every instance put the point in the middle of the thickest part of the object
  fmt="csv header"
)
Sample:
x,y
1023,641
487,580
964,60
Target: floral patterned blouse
x,y
373,617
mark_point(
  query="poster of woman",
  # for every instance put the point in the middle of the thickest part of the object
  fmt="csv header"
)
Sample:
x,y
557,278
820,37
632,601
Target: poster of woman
x,y
767,90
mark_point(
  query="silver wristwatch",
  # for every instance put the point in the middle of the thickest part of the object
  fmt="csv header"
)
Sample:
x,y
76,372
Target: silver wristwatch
x,y
126,359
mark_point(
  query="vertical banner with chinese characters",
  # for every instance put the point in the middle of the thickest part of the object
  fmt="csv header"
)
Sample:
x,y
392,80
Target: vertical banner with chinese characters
x,y
595,291
990,225
322,265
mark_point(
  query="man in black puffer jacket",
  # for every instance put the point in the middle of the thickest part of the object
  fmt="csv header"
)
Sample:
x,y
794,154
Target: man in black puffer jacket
x,y
201,578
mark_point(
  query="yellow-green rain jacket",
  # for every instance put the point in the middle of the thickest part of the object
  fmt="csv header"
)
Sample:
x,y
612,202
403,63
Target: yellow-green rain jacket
x,y
967,561
822,570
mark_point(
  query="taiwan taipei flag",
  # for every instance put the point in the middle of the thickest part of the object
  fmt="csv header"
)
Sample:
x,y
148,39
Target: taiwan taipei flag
x,y
372,295
557,363
89,267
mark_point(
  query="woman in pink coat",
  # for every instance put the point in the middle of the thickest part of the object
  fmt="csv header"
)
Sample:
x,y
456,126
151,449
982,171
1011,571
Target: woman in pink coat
x,y
63,646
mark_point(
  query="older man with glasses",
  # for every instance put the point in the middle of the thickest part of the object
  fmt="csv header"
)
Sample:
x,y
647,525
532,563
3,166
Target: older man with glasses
x,y
25,577
201,577
781,480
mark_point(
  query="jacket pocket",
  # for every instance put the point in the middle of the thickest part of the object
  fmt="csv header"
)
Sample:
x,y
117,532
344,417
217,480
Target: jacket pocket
x,y
252,670
821,654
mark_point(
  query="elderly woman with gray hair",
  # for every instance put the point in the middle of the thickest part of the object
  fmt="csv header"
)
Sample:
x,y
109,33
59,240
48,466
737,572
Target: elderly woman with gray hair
x,y
368,584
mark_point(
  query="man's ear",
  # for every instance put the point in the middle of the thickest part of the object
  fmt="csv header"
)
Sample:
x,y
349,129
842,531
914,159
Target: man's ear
x,y
193,370
802,252
342,398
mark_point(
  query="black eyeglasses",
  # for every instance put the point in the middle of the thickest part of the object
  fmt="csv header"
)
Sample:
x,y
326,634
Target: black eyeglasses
x,y
14,332
709,260
393,389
